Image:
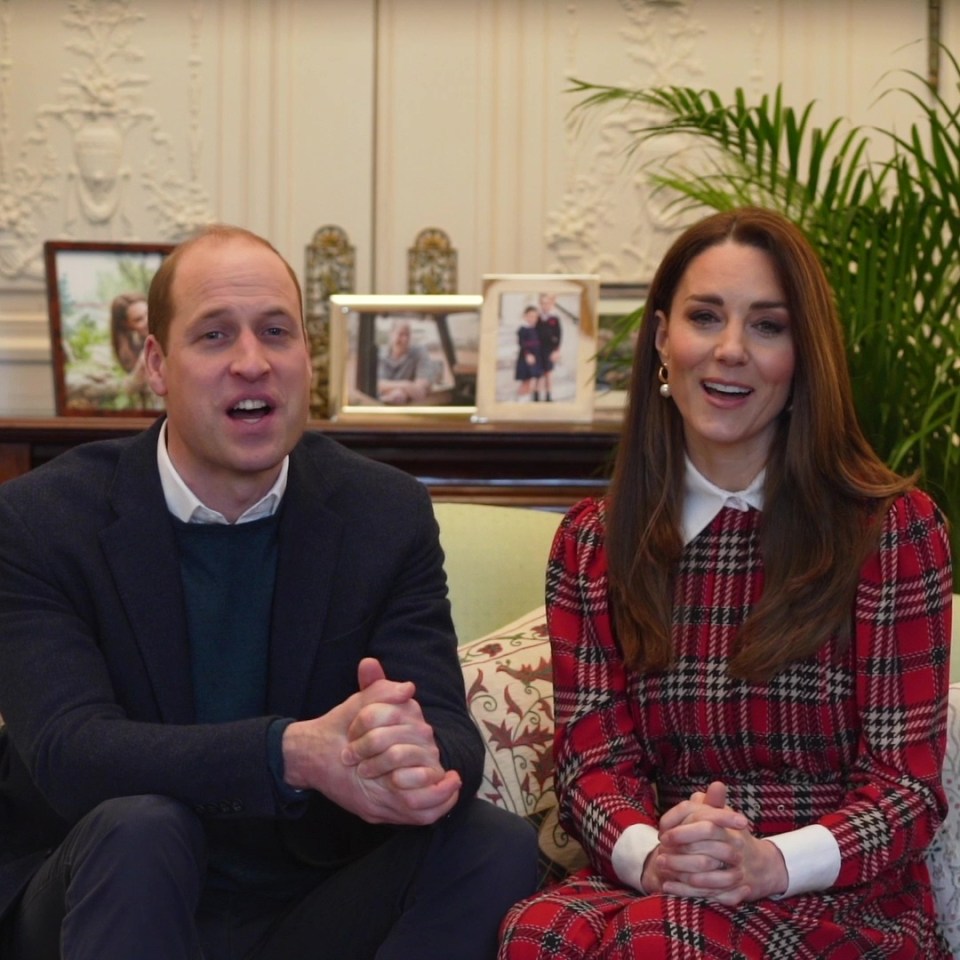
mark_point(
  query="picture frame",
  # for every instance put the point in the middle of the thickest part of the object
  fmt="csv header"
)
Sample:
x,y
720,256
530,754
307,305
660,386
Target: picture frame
x,y
97,308
404,355
618,301
539,369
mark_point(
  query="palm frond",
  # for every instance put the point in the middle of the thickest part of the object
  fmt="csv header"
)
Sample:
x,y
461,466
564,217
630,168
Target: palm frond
x,y
887,232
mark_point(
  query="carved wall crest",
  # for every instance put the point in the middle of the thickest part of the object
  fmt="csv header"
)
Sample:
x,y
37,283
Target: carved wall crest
x,y
102,100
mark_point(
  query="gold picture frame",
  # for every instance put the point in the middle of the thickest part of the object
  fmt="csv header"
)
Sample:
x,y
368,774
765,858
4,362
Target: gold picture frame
x,y
374,373
543,368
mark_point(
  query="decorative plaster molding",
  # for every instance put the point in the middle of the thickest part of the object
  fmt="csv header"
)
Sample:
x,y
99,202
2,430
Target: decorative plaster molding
x,y
587,234
99,105
26,183
180,202
24,338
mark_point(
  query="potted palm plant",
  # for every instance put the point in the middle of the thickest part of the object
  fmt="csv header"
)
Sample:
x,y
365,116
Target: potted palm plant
x,y
888,232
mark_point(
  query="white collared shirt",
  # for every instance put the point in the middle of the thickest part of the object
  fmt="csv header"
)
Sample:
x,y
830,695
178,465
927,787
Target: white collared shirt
x,y
811,854
185,505
703,500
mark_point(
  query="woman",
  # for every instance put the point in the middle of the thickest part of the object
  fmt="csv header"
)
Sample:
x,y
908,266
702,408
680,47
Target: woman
x,y
128,328
750,642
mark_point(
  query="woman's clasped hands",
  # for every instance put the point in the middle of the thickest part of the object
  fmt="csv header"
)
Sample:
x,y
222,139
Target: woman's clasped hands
x,y
706,850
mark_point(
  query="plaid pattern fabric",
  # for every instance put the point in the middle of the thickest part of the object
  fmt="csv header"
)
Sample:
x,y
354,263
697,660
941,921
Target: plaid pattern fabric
x,y
853,742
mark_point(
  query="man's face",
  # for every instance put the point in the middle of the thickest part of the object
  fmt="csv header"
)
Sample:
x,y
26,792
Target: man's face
x,y
401,339
236,372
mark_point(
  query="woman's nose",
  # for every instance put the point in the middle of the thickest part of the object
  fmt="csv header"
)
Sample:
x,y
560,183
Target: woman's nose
x,y
732,347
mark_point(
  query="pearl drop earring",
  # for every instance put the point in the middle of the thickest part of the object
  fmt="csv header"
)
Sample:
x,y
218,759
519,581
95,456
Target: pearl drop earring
x,y
664,385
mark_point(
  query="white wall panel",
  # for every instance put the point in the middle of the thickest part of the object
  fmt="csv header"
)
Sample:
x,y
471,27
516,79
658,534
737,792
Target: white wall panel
x,y
385,117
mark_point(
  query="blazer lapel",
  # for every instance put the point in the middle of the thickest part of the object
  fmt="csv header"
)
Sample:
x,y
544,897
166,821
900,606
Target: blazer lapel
x,y
310,539
141,553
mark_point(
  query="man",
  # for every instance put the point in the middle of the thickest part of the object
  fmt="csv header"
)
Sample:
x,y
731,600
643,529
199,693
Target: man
x,y
403,369
236,724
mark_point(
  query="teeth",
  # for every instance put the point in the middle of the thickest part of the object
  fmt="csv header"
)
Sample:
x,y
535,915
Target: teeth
x,y
727,388
250,405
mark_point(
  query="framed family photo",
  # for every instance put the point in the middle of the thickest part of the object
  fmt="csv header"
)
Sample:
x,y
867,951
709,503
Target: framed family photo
x,y
97,304
404,355
538,347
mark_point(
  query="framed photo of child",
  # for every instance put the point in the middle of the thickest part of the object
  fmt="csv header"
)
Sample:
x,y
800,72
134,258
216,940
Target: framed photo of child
x,y
97,302
538,341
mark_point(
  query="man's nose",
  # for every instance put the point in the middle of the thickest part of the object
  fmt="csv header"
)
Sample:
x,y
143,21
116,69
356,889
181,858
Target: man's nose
x,y
249,359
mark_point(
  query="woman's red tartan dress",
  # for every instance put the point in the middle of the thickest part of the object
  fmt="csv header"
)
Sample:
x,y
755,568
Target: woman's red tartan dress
x,y
855,745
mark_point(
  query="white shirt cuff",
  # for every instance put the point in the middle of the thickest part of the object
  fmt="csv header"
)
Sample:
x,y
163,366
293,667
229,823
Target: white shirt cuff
x,y
812,858
630,853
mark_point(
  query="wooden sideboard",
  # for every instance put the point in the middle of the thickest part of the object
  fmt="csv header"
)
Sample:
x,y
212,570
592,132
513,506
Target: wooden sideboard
x,y
543,465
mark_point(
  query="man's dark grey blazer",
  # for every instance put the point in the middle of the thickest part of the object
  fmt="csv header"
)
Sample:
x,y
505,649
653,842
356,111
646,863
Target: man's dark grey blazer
x,y
95,681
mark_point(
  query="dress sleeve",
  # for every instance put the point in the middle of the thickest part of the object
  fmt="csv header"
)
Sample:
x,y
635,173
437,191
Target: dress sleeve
x,y
602,778
895,800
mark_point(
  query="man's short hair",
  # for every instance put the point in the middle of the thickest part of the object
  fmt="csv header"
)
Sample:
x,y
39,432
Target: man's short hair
x,y
160,305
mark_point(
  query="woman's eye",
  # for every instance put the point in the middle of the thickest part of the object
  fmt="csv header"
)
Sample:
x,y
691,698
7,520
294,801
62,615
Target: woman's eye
x,y
702,317
770,328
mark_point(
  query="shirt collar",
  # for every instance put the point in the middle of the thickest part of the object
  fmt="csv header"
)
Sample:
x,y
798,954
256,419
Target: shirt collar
x,y
185,505
703,500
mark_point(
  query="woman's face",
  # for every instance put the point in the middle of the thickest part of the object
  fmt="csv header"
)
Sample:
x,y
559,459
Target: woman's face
x,y
729,351
137,316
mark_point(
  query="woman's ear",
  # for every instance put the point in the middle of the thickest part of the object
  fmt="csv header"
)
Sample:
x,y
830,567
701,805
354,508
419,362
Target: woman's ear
x,y
660,338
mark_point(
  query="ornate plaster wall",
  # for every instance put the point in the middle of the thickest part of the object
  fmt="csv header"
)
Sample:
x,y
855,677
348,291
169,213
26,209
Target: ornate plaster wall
x,y
138,119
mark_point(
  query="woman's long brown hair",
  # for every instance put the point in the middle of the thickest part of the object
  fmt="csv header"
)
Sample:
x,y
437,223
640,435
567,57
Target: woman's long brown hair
x,y
825,489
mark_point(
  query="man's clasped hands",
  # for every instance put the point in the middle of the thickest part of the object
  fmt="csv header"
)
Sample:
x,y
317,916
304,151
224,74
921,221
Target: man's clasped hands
x,y
374,754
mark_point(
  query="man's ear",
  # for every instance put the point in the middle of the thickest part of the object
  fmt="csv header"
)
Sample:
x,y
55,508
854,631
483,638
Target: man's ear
x,y
155,363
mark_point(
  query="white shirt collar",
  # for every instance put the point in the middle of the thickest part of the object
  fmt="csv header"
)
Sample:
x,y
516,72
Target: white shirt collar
x,y
185,505
703,500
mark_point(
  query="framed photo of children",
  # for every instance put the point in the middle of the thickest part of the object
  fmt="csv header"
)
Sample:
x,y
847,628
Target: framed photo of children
x,y
403,355
97,304
538,347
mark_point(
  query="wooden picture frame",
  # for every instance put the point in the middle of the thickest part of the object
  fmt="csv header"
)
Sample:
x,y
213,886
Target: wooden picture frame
x,y
403,355
538,368
96,299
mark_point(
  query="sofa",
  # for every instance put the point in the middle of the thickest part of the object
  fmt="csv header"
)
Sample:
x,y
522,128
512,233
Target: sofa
x,y
495,559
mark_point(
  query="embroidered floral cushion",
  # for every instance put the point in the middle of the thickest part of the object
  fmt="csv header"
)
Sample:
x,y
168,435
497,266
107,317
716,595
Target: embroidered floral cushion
x,y
509,687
